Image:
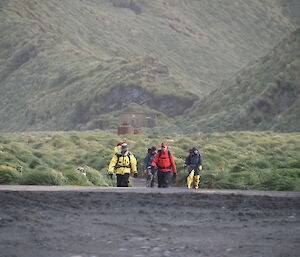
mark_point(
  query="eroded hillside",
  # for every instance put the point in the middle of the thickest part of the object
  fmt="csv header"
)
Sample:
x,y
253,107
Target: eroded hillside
x,y
63,63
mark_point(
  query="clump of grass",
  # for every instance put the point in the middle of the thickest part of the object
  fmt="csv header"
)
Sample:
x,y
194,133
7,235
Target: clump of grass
x,y
44,177
280,180
254,164
210,179
99,178
241,180
75,178
9,175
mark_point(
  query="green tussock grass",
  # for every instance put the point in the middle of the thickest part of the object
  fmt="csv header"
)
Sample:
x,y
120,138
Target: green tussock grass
x,y
235,160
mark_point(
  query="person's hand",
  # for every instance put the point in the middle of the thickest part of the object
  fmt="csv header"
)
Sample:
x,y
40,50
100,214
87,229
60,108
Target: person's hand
x,y
135,175
184,165
200,167
145,172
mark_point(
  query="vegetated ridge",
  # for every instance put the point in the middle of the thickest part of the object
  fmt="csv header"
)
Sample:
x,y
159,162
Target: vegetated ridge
x,y
265,95
77,64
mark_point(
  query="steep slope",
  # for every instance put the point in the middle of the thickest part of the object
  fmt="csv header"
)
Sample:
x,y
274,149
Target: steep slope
x,y
59,60
263,96
86,96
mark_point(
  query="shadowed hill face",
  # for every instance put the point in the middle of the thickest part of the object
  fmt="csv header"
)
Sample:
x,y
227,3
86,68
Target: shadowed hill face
x,y
60,61
265,95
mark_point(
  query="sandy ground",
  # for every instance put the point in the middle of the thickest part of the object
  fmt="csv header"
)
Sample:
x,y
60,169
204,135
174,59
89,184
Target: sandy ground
x,y
136,222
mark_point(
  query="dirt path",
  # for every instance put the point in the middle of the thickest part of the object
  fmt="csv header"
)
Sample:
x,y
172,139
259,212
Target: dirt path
x,y
136,222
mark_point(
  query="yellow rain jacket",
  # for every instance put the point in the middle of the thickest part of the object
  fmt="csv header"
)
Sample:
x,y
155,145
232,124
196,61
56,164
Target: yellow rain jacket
x,y
123,163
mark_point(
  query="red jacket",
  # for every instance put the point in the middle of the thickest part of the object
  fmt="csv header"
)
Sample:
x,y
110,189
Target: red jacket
x,y
164,162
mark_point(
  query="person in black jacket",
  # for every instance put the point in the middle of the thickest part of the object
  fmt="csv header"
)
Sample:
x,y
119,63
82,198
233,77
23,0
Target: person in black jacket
x,y
194,164
151,173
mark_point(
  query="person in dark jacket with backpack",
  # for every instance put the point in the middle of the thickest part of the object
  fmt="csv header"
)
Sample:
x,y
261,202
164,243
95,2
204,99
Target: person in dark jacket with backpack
x,y
151,173
164,160
194,164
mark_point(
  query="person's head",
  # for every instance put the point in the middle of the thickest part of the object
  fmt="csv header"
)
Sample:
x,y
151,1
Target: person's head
x,y
124,147
153,150
195,150
164,146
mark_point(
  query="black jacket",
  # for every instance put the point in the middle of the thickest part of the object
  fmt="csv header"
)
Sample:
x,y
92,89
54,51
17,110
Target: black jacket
x,y
194,161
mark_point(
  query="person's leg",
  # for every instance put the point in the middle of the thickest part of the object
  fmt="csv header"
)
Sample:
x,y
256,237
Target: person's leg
x,y
125,180
153,171
159,178
119,180
166,179
149,177
189,179
196,181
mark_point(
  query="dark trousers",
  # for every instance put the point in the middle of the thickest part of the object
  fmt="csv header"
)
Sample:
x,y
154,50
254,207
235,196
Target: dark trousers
x,y
122,180
151,176
163,178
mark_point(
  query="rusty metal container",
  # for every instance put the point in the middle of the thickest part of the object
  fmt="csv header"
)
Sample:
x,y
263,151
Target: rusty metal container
x,y
125,128
138,132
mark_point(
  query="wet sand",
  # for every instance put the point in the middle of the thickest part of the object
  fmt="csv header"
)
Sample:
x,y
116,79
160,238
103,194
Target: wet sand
x,y
90,221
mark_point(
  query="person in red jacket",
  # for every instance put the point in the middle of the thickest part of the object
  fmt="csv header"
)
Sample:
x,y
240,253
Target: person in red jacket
x,y
164,160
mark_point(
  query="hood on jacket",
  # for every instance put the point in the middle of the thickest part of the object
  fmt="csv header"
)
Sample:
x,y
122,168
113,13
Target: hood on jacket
x,y
164,144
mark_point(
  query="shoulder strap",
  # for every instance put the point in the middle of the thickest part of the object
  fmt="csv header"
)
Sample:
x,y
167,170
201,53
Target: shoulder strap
x,y
118,155
160,152
129,154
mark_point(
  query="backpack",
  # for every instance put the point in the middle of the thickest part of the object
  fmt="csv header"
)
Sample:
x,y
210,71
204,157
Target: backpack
x,y
119,155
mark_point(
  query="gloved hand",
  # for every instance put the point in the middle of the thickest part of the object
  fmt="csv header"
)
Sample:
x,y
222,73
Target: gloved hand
x,y
174,177
110,175
135,175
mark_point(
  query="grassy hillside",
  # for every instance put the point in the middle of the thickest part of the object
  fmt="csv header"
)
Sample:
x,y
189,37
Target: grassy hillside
x,y
239,160
265,95
73,64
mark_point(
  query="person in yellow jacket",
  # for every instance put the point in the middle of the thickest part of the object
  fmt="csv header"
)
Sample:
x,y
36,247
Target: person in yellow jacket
x,y
122,164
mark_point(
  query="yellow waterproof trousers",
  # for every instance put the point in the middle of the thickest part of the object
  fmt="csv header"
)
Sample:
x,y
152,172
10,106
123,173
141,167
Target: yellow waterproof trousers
x,y
192,178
